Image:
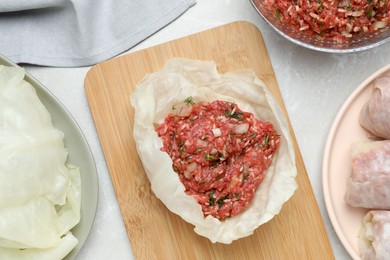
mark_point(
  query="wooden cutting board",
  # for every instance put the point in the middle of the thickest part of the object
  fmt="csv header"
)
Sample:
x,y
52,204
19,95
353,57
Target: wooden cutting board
x,y
155,233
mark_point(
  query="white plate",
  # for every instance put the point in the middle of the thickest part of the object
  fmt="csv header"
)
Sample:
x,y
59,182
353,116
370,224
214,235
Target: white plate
x,y
346,129
79,155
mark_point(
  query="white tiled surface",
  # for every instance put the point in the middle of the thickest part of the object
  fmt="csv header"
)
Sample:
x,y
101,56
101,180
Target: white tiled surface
x,y
314,85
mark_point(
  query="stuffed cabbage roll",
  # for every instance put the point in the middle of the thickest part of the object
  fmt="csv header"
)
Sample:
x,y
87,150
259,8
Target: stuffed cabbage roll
x,y
160,93
374,235
368,185
375,115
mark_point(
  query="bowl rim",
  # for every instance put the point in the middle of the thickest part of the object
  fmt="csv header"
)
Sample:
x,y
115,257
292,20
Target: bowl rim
x,y
314,47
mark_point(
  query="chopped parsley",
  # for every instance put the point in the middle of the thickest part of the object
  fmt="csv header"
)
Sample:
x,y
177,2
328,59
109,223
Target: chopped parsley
x,y
266,139
172,141
189,101
233,113
214,165
209,157
218,177
370,12
211,199
277,13
265,143
181,147
198,150
221,200
320,6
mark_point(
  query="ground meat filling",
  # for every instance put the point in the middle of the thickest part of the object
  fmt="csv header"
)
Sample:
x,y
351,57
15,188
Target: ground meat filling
x,y
220,153
336,19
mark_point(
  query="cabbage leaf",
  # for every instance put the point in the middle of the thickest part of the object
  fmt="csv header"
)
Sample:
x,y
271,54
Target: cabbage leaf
x,y
154,98
39,193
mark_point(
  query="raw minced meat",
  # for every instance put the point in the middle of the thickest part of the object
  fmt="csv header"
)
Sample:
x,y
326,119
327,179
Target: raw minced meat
x,y
220,153
338,20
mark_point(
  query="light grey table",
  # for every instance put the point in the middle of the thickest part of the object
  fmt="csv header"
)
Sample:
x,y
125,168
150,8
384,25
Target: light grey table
x,y
314,85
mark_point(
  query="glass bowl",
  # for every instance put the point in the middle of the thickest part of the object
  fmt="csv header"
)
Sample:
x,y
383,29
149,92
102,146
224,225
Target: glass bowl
x,y
354,44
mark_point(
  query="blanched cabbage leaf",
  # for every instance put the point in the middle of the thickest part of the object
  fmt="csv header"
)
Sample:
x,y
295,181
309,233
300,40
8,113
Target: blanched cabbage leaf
x,y
179,79
39,194
66,244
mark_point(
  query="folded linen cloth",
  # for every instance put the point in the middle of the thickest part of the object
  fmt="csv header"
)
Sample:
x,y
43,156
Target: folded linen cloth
x,y
72,33
18,5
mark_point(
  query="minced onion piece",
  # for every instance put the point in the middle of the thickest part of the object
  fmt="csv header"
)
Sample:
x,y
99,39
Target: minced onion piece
x,y
201,143
241,129
191,167
380,24
217,132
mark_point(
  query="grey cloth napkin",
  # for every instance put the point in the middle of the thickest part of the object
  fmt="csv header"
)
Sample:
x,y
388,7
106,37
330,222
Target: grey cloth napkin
x,y
18,5
72,33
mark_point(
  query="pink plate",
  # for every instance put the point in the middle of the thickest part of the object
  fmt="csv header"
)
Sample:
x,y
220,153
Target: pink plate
x,y
345,130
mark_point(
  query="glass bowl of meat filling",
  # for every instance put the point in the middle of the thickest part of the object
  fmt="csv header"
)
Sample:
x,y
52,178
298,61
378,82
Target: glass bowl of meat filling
x,y
331,25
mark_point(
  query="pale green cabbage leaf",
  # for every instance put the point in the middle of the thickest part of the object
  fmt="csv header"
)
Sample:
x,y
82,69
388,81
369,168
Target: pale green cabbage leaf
x,y
39,194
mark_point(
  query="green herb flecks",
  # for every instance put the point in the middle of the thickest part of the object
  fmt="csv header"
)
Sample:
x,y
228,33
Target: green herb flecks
x,y
221,200
218,177
209,157
370,12
233,113
181,146
320,6
214,165
277,14
211,199
266,141
189,101
172,141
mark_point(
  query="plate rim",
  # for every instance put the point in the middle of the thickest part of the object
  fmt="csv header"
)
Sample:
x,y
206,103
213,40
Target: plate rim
x,y
39,87
326,157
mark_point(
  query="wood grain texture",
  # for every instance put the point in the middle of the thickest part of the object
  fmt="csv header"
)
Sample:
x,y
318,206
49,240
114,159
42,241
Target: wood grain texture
x,y
154,232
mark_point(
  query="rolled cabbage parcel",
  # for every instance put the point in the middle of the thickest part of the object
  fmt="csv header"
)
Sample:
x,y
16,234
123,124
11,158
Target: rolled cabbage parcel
x,y
39,193
374,235
369,182
375,114
215,147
